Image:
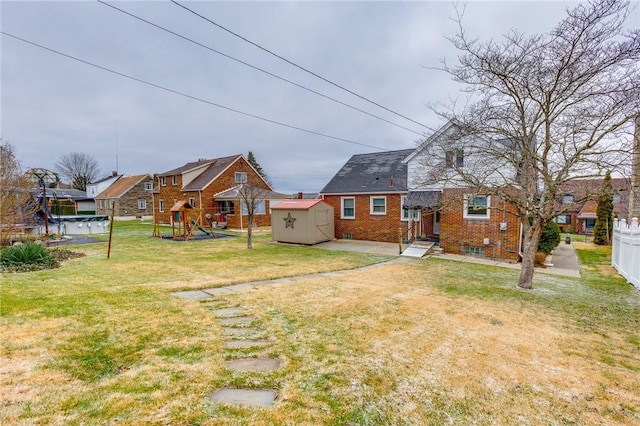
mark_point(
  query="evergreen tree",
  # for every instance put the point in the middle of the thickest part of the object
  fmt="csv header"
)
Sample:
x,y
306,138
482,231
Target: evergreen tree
x,y
604,223
252,160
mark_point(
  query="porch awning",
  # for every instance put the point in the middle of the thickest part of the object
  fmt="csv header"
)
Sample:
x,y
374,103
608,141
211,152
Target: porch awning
x,y
243,190
422,200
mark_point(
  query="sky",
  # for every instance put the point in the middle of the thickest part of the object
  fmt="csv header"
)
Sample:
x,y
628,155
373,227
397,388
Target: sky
x,y
387,52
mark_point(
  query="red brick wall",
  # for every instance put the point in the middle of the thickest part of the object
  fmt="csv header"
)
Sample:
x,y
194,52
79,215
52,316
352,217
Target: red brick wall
x,y
456,232
225,181
366,226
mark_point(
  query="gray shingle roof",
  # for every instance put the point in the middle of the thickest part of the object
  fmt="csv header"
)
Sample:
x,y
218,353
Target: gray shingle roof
x,y
371,173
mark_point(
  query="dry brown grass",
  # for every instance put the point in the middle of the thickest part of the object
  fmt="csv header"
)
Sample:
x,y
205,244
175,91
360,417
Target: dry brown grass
x,y
414,342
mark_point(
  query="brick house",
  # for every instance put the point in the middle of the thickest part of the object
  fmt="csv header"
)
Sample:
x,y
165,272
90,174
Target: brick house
x,y
367,194
198,183
580,197
131,195
375,195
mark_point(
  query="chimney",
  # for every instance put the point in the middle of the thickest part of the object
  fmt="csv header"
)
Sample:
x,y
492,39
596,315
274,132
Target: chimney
x,y
300,197
114,173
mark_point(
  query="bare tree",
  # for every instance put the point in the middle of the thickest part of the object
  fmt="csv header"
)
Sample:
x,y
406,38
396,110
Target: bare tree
x,y
14,194
251,198
542,110
79,169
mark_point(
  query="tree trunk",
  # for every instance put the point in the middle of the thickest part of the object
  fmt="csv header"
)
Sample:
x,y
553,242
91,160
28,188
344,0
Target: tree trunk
x,y
249,228
529,249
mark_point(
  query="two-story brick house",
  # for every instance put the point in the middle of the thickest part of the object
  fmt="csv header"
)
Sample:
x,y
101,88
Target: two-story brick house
x,y
131,195
375,195
198,183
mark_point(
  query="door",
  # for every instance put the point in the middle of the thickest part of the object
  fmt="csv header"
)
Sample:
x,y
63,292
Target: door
x,y
436,222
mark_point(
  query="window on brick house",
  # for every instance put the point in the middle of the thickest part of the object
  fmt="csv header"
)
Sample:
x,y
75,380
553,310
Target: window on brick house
x,y
617,199
567,199
161,205
142,204
378,205
192,202
226,207
408,214
563,219
148,186
477,206
163,181
174,180
348,208
241,177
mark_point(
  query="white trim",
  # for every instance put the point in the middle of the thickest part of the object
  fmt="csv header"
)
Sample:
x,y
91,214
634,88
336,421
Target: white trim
x,y
342,216
486,216
374,197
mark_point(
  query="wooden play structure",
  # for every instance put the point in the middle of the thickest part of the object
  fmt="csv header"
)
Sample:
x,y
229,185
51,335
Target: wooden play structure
x,y
185,221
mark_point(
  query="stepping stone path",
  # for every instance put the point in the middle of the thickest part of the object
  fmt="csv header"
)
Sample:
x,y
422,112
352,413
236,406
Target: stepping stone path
x,y
242,334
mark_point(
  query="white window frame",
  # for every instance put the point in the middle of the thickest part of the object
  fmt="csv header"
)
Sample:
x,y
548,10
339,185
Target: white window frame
x,y
259,208
192,202
241,177
160,205
163,181
174,180
567,198
485,216
142,204
148,186
342,200
371,205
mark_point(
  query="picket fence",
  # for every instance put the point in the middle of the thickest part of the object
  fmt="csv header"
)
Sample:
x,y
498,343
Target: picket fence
x,y
625,255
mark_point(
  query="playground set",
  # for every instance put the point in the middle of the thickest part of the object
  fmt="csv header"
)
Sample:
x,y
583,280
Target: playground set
x,y
189,223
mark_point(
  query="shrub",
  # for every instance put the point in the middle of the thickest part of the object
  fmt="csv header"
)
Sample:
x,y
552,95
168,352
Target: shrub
x,y
540,259
550,238
29,256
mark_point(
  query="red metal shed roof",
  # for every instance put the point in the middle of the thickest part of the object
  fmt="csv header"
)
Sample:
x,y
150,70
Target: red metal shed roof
x,y
295,204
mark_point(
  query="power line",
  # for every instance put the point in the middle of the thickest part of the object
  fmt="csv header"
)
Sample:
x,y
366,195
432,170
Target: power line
x,y
195,98
300,67
256,68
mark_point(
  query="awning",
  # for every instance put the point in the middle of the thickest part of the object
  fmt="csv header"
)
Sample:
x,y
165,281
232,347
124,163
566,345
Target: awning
x,y
422,200
248,191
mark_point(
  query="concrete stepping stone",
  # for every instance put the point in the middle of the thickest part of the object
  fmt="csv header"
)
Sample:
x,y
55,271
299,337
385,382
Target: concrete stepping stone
x,y
253,364
192,295
245,344
240,331
237,321
248,397
228,312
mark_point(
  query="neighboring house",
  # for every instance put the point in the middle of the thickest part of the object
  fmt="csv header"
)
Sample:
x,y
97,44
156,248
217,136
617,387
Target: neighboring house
x,y
367,195
200,181
130,196
580,196
379,195
94,188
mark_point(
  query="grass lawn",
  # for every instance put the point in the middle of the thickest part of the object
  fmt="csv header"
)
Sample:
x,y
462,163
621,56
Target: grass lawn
x,y
428,341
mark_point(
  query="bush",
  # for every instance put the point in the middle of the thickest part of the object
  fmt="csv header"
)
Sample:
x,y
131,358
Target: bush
x,y
29,256
550,238
540,259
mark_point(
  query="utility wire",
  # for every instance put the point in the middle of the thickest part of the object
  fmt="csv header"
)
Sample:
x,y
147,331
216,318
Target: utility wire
x,y
195,98
300,67
255,67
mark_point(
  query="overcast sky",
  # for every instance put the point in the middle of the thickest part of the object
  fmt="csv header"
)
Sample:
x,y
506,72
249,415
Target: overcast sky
x,y
53,105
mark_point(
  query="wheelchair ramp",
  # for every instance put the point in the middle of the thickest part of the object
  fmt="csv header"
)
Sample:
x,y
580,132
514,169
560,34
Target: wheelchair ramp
x,y
418,249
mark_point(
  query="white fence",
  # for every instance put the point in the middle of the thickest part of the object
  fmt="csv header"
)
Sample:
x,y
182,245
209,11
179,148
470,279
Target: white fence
x,y
625,255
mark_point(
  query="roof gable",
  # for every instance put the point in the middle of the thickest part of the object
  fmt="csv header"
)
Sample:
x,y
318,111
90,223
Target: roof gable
x,y
371,173
122,186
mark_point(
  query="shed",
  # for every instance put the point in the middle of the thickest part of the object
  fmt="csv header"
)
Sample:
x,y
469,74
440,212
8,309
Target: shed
x,y
302,221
